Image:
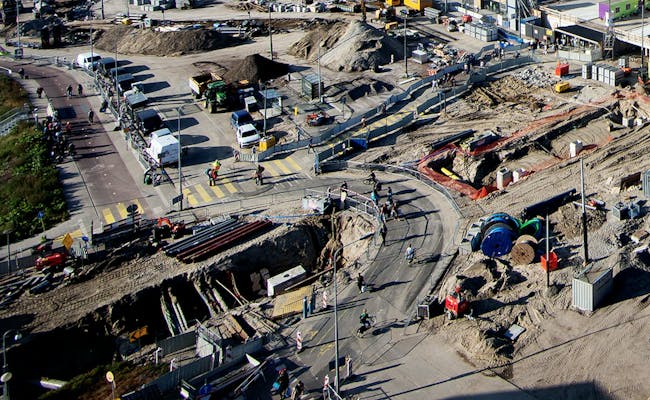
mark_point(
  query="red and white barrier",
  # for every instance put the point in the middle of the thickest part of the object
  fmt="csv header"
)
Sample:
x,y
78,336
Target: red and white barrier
x,y
324,300
298,341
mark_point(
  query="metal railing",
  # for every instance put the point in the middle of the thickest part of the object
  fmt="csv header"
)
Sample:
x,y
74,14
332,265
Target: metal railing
x,y
10,119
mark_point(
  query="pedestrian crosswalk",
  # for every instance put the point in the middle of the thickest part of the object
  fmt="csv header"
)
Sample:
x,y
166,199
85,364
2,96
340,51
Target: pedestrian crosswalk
x,y
118,211
277,171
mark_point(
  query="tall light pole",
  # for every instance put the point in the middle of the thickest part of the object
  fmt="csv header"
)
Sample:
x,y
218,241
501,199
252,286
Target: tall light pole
x,y
406,66
179,110
5,373
18,22
117,93
264,94
270,33
336,319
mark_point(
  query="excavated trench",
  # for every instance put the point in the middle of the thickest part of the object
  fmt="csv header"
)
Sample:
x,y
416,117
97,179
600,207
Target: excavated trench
x,y
101,336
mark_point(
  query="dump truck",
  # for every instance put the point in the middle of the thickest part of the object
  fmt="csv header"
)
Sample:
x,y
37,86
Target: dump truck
x,y
199,83
216,96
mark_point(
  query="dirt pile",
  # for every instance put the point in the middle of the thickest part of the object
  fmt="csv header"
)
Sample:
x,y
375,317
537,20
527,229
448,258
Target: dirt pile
x,y
506,90
131,40
254,68
348,47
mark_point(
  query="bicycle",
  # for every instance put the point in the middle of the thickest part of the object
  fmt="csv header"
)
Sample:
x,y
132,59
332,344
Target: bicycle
x,y
360,332
370,181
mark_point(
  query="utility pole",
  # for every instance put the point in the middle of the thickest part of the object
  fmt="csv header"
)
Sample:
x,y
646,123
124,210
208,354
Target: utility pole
x,y
320,95
102,9
643,73
406,67
180,174
585,247
270,33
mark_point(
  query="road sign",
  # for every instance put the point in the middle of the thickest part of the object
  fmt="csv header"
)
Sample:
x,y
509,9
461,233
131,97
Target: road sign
x,y
177,199
67,241
109,377
40,215
132,208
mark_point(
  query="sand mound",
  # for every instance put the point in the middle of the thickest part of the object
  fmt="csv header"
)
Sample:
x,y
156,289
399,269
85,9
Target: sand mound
x,y
131,40
255,68
348,47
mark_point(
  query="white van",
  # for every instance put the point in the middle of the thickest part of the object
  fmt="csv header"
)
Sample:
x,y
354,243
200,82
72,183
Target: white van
x,y
164,150
247,135
88,60
160,133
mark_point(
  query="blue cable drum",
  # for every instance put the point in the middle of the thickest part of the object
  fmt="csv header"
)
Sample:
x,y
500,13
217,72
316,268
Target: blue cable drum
x,y
497,240
499,218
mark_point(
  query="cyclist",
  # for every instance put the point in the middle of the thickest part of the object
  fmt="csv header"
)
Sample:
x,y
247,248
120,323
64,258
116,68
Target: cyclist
x,y
364,319
372,178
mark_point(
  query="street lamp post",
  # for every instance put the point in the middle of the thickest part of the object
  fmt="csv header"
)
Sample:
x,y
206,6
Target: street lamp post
x,y
18,22
320,95
179,110
5,365
406,66
264,94
336,320
270,34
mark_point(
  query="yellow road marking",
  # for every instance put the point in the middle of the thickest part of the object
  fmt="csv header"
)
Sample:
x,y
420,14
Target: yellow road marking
x,y
282,167
108,216
294,164
121,210
217,191
226,182
204,195
271,170
190,197
325,348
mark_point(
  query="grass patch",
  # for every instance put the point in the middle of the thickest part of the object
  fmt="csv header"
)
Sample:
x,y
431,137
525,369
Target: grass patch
x,y
92,385
12,95
29,182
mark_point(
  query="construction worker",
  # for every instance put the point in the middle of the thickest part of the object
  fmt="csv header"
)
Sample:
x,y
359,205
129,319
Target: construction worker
x,y
39,92
69,91
91,113
80,89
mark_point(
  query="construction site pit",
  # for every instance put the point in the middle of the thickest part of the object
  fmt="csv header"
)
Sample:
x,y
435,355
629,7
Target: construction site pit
x,y
77,326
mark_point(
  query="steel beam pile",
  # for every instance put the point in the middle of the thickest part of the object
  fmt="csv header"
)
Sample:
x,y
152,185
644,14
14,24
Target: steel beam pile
x,y
214,239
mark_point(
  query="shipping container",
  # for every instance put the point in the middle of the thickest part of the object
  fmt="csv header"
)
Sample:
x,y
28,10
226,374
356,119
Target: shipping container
x,y
418,5
592,286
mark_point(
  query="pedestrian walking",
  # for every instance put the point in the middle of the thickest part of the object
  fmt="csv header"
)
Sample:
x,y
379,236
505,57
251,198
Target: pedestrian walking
x,y
80,89
214,175
91,116
389,195
394,211
410,254
69,91
21,72
344,186
39,92
374,197
383,231
310,146
384,210
363,122
361,284
298,391
208,173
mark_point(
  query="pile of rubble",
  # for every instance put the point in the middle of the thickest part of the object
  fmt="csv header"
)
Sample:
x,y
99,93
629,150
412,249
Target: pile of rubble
x,y
535,77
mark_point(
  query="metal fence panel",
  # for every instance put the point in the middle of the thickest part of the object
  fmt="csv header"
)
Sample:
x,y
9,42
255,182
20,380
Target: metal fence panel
x,y
171,379
178,342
